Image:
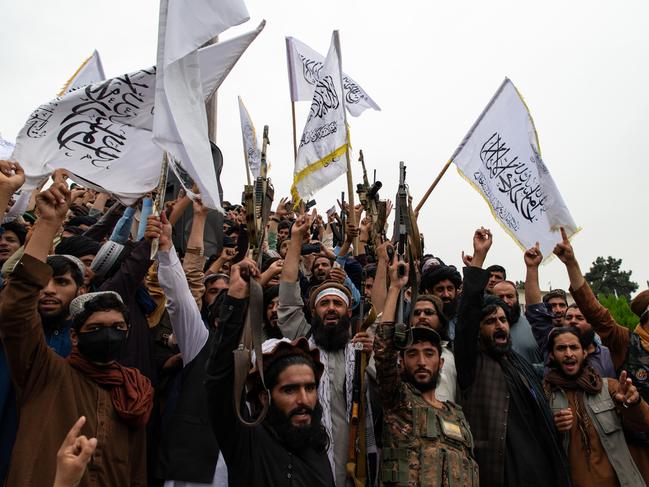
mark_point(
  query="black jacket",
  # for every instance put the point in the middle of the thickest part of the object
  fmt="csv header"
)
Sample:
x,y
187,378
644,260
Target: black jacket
x,y
254,456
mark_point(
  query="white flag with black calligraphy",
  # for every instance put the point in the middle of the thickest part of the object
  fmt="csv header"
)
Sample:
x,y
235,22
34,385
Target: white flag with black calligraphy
x,y
251,149
102,133
304,65
91,71
6,148
500,157
322,152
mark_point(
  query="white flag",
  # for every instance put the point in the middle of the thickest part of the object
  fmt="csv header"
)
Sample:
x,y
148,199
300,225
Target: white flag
x,y
321,156
6,148
251,149
500,157
304,65
180,118
91,71
102,133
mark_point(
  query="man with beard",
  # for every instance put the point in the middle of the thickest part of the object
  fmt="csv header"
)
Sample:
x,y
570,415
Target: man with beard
x,y
53,393
444,282
557,301
331,307
54,301
542,319
290,445
516,441
523,340
426,441
593,414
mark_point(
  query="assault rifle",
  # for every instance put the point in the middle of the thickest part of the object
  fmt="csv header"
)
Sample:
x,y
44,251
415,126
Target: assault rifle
x,y
375,208
258,198
406,237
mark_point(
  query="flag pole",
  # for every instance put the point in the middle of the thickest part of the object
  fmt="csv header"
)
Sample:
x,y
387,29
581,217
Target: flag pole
x,y
350,182
294,131
159,199
432,187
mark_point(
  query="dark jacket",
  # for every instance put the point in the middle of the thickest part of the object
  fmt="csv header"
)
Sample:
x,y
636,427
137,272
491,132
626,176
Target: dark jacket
x,y
254,456
496,389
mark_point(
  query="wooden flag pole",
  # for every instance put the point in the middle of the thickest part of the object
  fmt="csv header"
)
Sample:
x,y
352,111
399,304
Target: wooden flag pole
x,y
159,199
432,187
294,131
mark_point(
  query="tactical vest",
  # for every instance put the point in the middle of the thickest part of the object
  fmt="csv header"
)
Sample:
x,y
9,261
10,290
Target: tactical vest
x,y
438,452
637,366
608,424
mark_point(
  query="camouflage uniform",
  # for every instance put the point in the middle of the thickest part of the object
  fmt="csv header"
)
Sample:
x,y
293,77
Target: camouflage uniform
x,y
422,445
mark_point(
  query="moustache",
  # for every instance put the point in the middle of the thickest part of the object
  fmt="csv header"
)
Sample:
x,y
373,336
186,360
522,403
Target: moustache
x,y
301,410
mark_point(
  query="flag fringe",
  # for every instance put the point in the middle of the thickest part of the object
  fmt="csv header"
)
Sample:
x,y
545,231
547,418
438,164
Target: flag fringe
x,y
69,82
311,168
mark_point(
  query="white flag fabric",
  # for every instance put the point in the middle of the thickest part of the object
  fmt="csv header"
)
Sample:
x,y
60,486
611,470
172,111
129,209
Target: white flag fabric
x,y
304,65
500,157
102,133
6,148
91,71
180,118
321,155
251,149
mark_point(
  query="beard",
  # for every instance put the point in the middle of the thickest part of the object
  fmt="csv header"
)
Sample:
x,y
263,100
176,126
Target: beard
x,y
497,348
296,438
450,308
54,321
331,337
426,386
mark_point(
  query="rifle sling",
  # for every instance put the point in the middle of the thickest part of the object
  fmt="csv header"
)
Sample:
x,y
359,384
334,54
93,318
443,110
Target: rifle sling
x,y
251,337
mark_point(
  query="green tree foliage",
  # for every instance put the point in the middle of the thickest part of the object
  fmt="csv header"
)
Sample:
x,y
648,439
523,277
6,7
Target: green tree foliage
x,y
620,310
605,277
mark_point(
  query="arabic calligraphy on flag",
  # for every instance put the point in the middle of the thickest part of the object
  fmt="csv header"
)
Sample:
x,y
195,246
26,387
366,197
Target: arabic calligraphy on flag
x,y
304,67
500,157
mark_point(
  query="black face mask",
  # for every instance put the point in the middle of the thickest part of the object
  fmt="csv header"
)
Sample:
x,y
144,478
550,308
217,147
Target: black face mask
x,y
103,345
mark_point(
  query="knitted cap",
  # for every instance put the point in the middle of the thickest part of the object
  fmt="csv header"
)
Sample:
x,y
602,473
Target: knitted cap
x,y
106,258
78,304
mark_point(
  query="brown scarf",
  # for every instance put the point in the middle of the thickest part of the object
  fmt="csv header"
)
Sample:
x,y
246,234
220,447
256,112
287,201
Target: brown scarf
x,y
130,391
589,382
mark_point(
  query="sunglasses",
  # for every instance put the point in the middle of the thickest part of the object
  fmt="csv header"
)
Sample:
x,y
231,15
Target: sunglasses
x,y
425,311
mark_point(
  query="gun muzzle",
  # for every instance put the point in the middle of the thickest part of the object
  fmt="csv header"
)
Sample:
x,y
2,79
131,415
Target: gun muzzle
x,y
374,189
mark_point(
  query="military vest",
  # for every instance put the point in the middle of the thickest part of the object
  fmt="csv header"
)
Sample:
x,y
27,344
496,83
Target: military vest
x,y
425,446
637,366
608,424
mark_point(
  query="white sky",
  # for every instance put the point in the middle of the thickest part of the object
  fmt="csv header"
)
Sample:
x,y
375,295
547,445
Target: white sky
x,y
432,67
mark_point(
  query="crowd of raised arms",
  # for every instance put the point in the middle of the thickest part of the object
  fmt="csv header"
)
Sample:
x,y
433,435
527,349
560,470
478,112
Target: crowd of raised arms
x,y
372,365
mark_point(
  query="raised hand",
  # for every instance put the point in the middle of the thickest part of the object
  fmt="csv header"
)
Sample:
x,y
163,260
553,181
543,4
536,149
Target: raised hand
x,y
533,256
382,251
467,259
159,227
351,232
564,250
338,274
365,340
73,456
482,240
302,225
398,271
628,394
199,208
240,275
12,176
53,203
281,212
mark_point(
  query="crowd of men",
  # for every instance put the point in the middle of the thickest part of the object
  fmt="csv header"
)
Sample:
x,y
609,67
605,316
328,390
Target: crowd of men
x,y
119,365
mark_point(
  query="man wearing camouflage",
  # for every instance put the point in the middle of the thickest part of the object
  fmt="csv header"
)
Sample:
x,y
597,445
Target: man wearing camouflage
x,y
426,442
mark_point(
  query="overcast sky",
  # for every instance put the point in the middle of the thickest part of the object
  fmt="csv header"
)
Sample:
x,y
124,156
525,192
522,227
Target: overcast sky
x,y
582,68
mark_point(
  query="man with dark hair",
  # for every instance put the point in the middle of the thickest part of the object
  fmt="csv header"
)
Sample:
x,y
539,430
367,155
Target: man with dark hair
x,y
214,284
290,445
85,249
557,301
330,306
515,437
542,319
271,305
370,275
426,440
497,273
593,414
444,282
629,349
523,340
116,400
12,237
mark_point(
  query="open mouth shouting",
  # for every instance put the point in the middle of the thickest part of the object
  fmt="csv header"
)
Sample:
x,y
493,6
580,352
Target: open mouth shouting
x,y
500,337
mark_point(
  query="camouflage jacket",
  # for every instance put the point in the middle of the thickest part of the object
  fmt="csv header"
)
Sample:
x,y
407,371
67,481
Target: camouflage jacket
x,y
422,445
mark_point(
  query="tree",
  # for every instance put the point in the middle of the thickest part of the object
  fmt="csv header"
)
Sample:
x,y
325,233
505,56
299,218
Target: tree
x,y
605,277
620,310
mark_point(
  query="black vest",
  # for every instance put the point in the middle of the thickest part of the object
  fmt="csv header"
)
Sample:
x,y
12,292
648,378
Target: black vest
x,y
188,448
